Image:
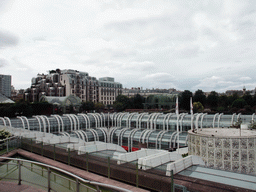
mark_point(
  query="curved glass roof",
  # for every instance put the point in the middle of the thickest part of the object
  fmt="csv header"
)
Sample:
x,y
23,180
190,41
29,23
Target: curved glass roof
x,y
63,101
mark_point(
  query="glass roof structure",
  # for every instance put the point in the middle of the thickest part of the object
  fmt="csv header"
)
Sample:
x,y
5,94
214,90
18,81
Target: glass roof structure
x,y
220,176
130,130
62,101
133,131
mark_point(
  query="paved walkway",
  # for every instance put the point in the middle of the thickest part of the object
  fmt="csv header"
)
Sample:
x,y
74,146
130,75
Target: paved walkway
x,y
79,172
6,186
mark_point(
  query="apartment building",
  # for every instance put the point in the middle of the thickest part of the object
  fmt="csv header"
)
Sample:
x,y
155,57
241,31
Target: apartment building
x,y
72,82
146,92
108,90
5,85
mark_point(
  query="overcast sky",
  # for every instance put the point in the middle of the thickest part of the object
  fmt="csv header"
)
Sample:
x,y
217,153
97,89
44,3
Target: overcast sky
x,y
181,44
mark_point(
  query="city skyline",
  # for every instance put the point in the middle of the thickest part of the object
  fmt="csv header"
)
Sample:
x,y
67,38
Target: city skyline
x,y
151,44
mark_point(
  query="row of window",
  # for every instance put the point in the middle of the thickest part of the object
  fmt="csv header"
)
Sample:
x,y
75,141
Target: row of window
x,y
107,98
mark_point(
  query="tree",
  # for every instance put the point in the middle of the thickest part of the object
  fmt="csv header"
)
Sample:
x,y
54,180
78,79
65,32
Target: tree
x,y
232,98
198,107
248,98
87,106
212,99
185,99
199,97
99,106
223,102
4,134
118,106
137,101
124,100
239,103
52,71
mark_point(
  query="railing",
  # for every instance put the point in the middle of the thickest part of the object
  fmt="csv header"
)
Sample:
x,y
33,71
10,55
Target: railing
x,y
76,183
9,144
127,172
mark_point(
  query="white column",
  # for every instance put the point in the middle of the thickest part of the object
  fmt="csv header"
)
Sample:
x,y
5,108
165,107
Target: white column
x,y
58,121
40,127
26,121
23,124
71,124
9,121
219,120
43,120
213,122
49,126
3,120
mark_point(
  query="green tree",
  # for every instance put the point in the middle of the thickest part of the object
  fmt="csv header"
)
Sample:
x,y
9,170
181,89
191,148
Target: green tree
x,y
185,99
87,106
4,134
248,98
99,106
239,103
118,106
212,99
137,102
124,100
52,71
254,101
198,107
199,96
40,108
223,102
232,98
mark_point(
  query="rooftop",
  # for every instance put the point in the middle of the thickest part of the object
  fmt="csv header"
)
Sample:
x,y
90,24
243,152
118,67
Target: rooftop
x,y
225,132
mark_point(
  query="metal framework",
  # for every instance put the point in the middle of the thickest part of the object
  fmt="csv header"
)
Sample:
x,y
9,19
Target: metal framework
x,y
127,128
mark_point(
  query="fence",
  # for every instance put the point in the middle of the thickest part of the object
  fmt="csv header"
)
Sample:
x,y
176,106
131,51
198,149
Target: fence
x,y
9,144
52,178
154,179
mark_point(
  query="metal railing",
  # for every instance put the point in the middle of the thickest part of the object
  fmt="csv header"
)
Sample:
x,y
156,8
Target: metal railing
x,y
126,172
52,172
9,144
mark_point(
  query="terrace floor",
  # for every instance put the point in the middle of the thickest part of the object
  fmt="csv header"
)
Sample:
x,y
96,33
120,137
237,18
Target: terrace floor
x,y
6,186
79,172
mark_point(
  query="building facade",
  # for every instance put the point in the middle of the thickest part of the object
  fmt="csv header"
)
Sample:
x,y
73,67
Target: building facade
x,y
5,85
146,92
72,82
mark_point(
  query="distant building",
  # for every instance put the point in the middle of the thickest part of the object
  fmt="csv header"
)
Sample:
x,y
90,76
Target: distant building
x,y
4,99
17,95
146,92
72,82
160,101
108,90
5,85
238,92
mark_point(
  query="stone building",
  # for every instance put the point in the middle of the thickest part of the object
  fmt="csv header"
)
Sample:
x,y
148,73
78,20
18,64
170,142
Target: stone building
x,y
5,85
146,92
72,82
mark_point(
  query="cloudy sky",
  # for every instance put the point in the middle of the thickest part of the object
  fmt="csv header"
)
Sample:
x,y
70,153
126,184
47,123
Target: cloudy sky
x,y
182,44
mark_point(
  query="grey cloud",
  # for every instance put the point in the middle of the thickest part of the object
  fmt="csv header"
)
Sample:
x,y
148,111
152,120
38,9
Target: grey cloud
x,y
122,54
159,77
186,52
7,39
5,4
3,62
141,66
42,38
170,25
